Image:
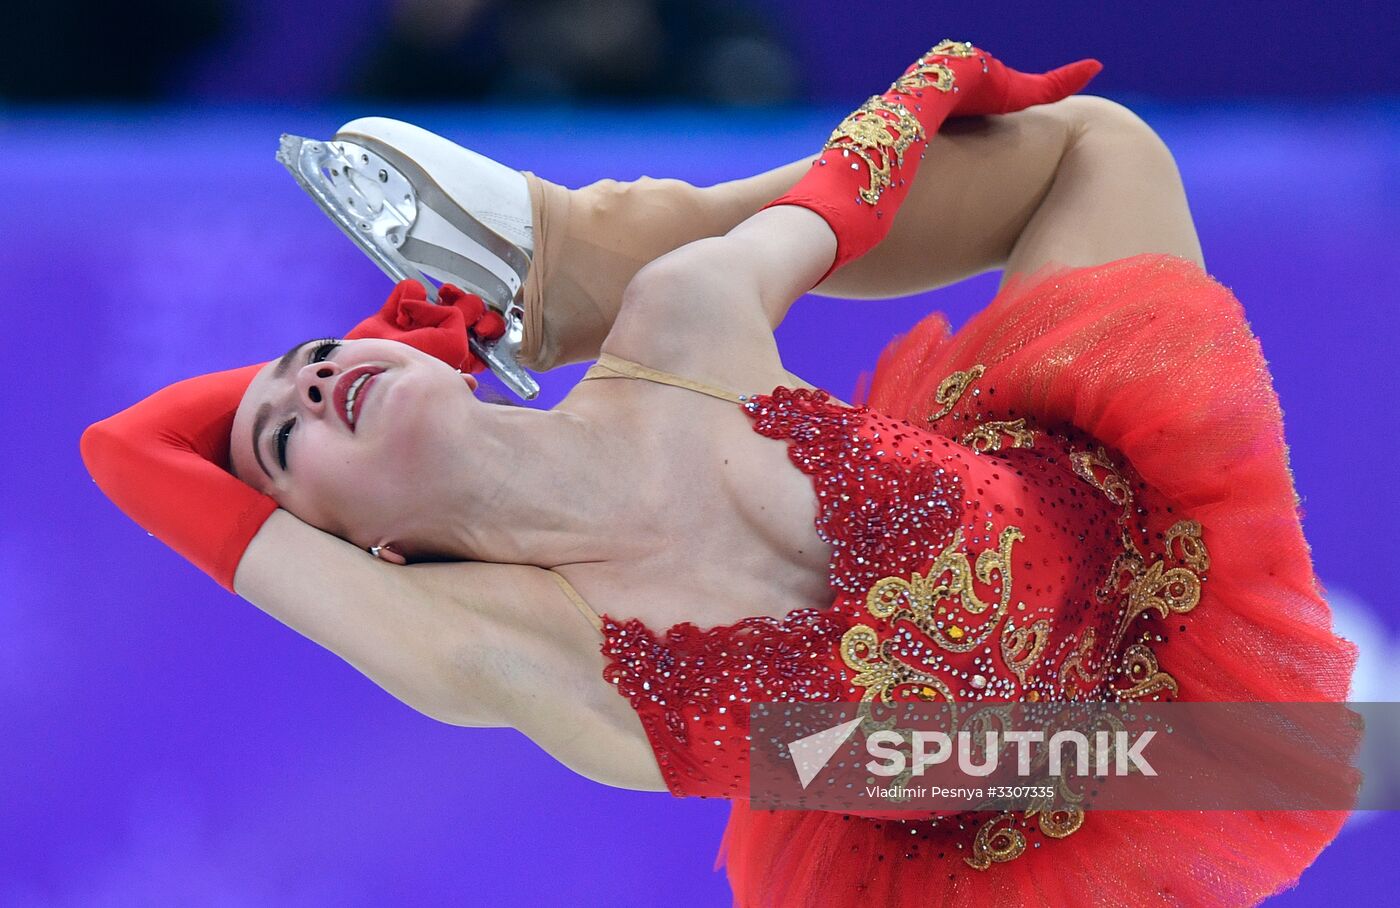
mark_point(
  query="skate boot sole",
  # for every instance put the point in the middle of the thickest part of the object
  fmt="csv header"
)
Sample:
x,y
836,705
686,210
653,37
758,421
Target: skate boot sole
x,y
412,228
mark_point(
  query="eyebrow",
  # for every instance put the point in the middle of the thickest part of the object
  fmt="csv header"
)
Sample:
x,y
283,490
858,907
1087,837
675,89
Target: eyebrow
x,y
265,411
281,368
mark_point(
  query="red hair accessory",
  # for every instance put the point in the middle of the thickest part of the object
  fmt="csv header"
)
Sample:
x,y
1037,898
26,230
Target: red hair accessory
x,y
438,329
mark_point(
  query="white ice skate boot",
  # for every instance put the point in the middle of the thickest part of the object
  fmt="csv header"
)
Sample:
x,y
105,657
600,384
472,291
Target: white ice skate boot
x,y
423,207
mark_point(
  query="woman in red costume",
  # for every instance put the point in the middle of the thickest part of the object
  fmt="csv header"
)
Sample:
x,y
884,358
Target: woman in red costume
x,y
695,528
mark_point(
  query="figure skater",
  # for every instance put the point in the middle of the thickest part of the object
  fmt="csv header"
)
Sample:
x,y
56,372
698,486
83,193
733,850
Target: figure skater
x,y
694,528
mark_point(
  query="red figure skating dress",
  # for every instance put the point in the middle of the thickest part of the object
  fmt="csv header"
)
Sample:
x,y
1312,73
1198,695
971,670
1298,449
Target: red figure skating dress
x,y
1094,469
1088,485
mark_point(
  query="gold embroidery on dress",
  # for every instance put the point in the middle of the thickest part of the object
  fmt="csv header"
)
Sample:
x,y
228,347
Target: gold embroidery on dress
x,y
940,602
1095,468
1059,822
1057,814
877,140
1140,582
1186,535
920,599
951,389
995,846
1156,587
987,436
994,719
879,671
1074,666
925,601
1167,585
1144,586
1141,672
1022,646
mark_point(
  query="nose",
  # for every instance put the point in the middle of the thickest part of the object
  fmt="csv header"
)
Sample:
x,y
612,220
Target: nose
x,y
314,384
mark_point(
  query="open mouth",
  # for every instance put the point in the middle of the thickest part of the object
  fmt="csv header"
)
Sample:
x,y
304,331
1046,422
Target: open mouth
x,y
350,392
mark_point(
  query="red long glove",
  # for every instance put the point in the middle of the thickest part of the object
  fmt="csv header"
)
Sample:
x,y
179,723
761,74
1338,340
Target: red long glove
x,y
869,163
164,461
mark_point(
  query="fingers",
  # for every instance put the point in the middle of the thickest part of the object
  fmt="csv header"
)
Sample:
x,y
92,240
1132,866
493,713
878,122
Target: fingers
x,y
1071,79
1028,89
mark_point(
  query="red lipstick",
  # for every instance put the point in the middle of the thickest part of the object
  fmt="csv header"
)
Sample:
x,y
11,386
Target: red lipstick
x,y
341,394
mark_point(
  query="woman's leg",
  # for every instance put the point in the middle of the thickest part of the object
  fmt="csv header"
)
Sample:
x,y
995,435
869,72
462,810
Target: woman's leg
x,y
982,182
993,192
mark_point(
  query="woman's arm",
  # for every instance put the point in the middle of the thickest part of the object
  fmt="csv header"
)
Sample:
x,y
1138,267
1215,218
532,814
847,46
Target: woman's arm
x,y
707,309
426,633
415,631
857,187
1079,182
1083,181
467,643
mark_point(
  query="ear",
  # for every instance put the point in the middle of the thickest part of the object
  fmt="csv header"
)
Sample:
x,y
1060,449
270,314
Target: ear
x,y
386,553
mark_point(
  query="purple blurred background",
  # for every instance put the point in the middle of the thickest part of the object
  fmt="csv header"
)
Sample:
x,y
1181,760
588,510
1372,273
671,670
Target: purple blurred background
x,y
164,743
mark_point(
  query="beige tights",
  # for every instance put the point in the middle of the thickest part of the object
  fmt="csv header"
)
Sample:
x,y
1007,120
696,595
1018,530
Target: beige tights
x,y
981,183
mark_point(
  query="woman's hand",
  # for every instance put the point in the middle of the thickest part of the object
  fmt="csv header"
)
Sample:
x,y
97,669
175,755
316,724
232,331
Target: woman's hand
x,y
985,85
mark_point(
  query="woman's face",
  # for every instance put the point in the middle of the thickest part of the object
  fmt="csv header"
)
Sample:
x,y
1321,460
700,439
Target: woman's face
x,y
354,437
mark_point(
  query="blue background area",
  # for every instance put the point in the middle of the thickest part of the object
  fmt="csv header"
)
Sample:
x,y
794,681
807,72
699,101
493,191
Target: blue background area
x,y
291,50
165,743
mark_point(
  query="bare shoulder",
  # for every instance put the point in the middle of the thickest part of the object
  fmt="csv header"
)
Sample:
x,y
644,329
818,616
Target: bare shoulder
x,y
684,313
710,307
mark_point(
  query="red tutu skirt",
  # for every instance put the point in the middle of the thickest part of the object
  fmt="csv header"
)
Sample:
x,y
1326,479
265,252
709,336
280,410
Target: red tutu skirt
x,y
1154,359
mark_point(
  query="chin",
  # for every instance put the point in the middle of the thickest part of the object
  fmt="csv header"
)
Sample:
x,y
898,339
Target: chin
x,y
415,399
418,439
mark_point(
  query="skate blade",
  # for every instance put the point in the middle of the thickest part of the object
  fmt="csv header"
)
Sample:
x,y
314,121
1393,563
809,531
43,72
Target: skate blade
x,y
376,206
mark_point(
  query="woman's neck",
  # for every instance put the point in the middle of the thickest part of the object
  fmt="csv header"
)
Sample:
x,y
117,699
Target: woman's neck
x,y
544,487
